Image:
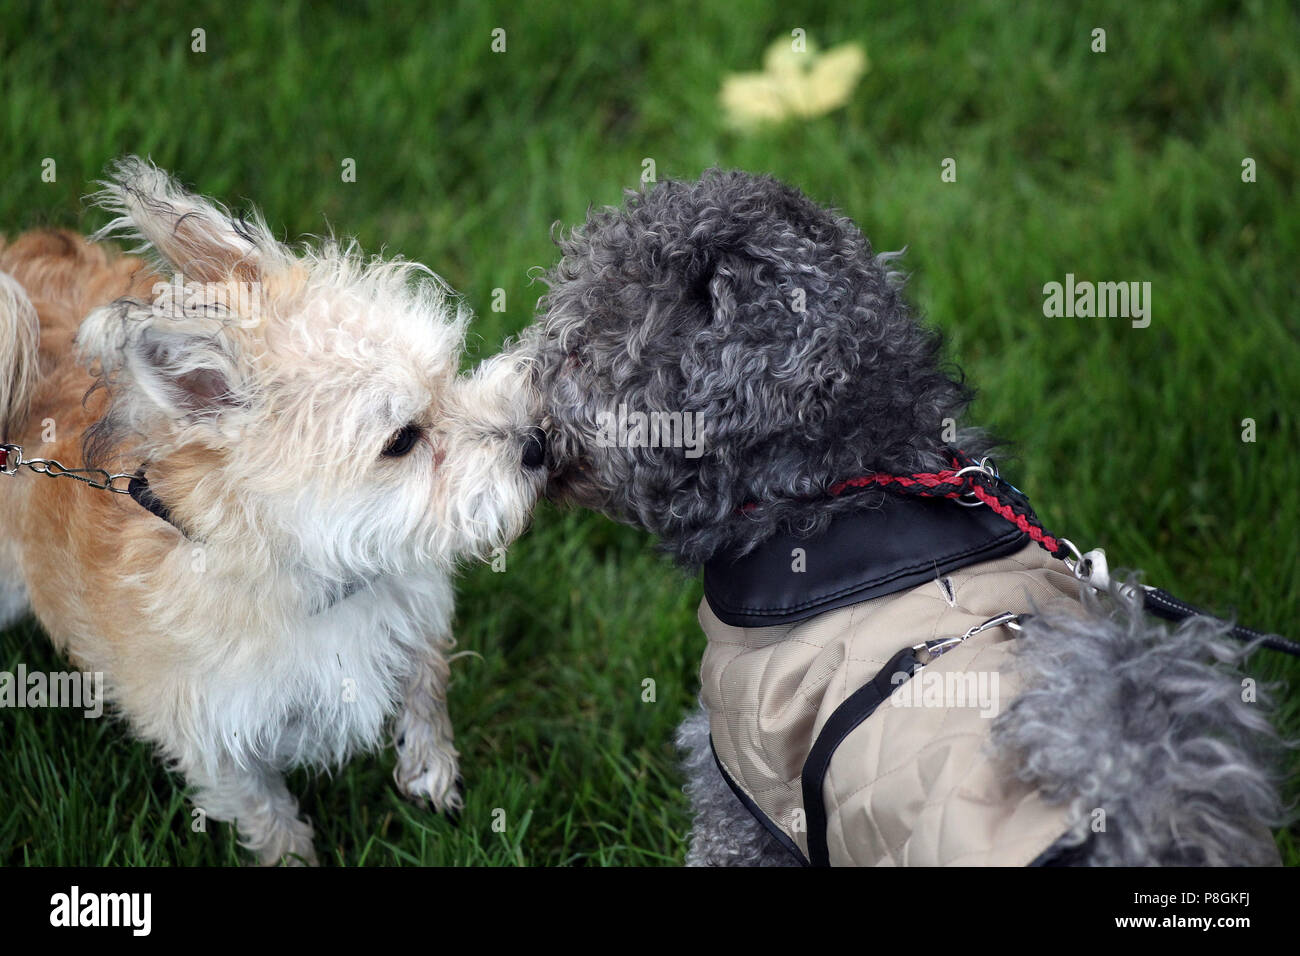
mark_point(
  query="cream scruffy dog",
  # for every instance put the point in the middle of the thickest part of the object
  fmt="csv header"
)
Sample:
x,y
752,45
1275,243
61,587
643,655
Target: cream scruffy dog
x,y
308,469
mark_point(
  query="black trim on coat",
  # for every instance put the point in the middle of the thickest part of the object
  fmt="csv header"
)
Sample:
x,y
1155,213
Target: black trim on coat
x,y
778,834
856,708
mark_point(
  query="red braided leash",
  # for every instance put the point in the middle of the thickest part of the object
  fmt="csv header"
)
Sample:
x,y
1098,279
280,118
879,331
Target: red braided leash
x,y
967,478
980,482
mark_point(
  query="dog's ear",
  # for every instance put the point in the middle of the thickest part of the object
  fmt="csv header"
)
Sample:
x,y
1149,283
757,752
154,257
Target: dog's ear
x,y
185,364
190,372
190,235
767,336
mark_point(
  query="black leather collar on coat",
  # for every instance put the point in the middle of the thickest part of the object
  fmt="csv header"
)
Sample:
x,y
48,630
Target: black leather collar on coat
x,y
861,555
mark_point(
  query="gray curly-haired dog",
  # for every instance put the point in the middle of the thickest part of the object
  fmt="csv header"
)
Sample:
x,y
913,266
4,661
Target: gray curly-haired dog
x,y
716,358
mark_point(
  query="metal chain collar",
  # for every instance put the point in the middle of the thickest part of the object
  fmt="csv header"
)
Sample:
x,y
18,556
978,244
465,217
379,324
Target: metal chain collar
x,y
11,459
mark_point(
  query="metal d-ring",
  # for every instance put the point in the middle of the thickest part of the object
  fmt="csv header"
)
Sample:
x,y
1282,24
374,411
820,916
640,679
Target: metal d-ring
x,y
985,466
13,459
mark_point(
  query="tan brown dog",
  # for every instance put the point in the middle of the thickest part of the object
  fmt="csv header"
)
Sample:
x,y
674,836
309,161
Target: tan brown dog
x,y
309,468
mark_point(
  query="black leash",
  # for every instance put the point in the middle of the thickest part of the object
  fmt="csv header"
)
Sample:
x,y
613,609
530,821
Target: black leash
x,y
1162,604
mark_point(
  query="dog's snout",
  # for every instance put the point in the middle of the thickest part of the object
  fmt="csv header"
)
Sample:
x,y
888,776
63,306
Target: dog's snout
x,y
535,449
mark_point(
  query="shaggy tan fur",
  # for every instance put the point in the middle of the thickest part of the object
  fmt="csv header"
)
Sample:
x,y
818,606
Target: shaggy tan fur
x,y
299,601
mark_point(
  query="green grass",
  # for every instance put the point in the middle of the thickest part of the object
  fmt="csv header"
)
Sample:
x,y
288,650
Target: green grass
x,y
1116,166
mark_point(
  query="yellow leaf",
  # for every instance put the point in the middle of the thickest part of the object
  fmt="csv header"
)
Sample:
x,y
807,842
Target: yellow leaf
x,y
793,84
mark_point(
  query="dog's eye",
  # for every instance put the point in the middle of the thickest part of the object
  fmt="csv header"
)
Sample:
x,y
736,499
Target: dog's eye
x,y
403,441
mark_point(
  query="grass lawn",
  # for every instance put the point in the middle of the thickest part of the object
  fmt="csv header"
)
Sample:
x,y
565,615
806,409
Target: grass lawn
x,y
1123,165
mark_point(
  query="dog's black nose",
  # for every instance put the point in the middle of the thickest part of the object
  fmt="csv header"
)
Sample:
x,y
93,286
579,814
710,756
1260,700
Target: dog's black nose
x,y
535,449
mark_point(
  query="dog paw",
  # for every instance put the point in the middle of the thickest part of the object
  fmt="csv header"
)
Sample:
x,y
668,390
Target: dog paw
x,y
428,773
291,844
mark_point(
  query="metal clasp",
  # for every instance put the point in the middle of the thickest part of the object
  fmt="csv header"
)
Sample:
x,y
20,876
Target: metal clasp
x,y
1091,568
11,459
927,651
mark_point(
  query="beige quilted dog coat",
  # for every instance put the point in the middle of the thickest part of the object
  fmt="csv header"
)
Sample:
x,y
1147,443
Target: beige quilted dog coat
x,y
914,783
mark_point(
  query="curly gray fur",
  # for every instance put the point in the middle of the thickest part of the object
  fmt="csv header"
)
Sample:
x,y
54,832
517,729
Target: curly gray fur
x,y
1149,726
767,316
724,833
739,300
